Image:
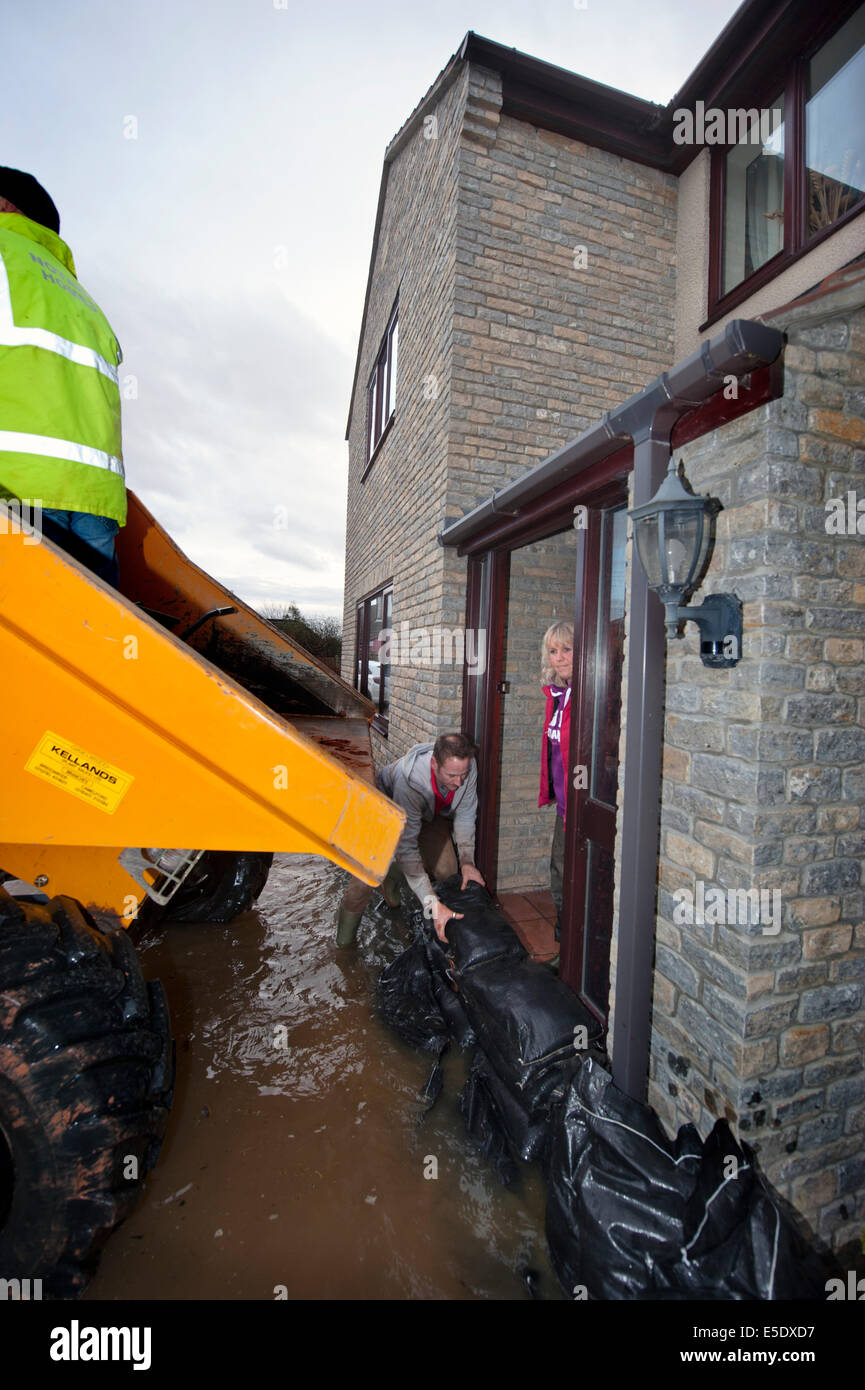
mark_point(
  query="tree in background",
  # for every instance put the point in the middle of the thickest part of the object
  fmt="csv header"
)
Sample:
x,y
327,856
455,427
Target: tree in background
x,y
320,636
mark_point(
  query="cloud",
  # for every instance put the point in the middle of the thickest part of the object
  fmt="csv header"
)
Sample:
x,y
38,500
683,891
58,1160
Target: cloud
x,y
233,435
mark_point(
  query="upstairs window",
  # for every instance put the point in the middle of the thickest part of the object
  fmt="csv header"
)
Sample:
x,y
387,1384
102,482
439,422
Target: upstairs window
x,y
381,392
754,197
835,127
796,170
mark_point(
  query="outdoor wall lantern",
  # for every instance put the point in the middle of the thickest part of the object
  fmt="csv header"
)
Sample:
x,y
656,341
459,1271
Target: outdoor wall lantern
x,y
673,532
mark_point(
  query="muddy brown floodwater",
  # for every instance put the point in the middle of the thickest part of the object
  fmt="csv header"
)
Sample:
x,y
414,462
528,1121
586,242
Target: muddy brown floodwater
x,y
295,1159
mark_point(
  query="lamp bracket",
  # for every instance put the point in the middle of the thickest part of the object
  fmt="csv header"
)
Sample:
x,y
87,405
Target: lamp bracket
x,y
719,618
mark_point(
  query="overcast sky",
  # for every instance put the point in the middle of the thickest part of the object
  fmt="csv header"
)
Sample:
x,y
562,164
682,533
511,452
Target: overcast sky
x,y
216,164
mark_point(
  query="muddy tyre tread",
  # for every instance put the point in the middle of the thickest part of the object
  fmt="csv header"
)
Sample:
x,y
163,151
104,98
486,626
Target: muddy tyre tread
x,y
86,1081
222,885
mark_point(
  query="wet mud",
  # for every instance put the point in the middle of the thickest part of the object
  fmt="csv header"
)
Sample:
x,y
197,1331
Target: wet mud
x,y
298,1160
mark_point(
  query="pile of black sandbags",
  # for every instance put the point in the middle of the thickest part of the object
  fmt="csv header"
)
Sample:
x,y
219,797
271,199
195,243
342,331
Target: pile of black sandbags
x,y
529,1029
407,1000
633,1214
630,1212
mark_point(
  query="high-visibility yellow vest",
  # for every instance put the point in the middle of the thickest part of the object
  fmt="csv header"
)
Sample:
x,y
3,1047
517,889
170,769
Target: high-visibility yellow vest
x,y
60,441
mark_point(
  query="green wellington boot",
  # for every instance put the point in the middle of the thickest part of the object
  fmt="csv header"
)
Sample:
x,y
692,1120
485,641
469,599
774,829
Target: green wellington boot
x,y
347,924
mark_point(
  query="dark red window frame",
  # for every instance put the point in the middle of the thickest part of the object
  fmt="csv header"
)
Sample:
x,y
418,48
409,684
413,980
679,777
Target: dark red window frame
x,y
791,77
361,652
381,391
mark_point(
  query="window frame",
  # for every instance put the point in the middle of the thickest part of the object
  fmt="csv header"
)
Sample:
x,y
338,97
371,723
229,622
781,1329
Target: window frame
x,y
792,77
363,608
381,390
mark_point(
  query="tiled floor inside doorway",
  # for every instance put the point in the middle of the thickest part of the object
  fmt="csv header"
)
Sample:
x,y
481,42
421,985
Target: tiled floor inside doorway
x,y
532,916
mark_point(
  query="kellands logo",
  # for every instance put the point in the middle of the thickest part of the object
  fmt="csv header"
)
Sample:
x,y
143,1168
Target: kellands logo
x,y
733,907
85,766
76,1343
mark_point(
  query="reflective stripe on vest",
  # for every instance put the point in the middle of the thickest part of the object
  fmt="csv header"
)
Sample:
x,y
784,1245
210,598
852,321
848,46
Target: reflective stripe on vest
x,y
42,444
49,446
13,336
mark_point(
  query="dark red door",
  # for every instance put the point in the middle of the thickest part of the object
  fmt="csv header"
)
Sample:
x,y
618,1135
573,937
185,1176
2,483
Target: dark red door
x,y
590,832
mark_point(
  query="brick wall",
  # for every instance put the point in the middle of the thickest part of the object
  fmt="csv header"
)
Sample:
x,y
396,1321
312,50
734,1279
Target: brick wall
x,y
543,345
394,515
479,232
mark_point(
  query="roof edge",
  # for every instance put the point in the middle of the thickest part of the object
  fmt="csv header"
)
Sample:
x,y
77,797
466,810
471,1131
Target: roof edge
x,y
433,95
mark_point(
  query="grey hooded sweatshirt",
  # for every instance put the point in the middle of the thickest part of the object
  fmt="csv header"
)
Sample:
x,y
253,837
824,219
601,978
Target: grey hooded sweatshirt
x,y
408,783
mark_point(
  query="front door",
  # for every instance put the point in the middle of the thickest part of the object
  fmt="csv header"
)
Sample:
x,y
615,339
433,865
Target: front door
x,y
590,831
515,590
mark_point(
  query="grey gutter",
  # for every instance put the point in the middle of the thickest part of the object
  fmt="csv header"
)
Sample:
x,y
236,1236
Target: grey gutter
x,y
647,419
741,347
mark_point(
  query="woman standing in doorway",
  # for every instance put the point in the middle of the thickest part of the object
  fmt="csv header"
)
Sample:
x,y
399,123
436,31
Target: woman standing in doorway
x,y
557,662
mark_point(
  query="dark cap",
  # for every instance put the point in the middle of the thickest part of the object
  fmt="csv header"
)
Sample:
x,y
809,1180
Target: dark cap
x,y
29,197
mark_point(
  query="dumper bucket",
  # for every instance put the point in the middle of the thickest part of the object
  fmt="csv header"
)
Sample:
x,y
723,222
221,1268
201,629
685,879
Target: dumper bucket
x,y
128,722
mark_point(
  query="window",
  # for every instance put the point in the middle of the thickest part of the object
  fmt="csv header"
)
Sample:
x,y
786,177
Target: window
x,y
381,392
835,127
754,198
795,173
372,648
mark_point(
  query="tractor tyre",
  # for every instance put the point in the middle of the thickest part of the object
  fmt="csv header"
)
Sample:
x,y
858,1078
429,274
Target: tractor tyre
x,y
221,886
86,1082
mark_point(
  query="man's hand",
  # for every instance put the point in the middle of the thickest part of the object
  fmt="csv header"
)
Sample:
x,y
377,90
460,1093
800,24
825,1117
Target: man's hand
x,y
472,875
441,915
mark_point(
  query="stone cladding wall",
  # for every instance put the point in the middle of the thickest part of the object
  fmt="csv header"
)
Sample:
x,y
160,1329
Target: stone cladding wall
x,y
764,788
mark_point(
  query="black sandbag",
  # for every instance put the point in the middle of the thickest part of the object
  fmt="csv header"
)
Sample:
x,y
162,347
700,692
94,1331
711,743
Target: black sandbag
x,y
526,1134
453,1012
481,934
526,1020
485,1124
434,1082
737,1238
405,998
618,1189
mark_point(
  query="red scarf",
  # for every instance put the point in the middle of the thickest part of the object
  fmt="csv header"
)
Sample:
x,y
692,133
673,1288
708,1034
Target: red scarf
x,y
441,802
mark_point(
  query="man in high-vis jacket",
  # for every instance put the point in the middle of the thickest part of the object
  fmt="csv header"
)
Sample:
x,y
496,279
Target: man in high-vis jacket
x,y
60,448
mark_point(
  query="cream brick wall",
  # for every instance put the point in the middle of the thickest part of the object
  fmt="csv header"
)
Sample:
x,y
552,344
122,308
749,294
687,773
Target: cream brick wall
x,y
394,515
479,234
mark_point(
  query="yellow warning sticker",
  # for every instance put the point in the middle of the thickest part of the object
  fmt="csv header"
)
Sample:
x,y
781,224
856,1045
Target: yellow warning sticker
x,y
83,774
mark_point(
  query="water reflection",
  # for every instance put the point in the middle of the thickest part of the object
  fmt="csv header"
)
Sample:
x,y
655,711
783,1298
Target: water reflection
x,y
298,1139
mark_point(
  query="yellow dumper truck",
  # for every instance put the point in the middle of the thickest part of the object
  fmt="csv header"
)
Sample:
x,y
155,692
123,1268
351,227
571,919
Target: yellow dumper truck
x,y
159,745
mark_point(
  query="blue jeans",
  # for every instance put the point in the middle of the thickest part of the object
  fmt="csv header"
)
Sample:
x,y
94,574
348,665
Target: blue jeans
x,y
88,538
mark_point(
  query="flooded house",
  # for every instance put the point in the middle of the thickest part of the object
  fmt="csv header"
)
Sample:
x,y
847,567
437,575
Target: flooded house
x,y
569,289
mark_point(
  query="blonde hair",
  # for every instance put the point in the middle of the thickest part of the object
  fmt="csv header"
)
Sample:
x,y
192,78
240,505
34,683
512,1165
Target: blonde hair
x,y
559,631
